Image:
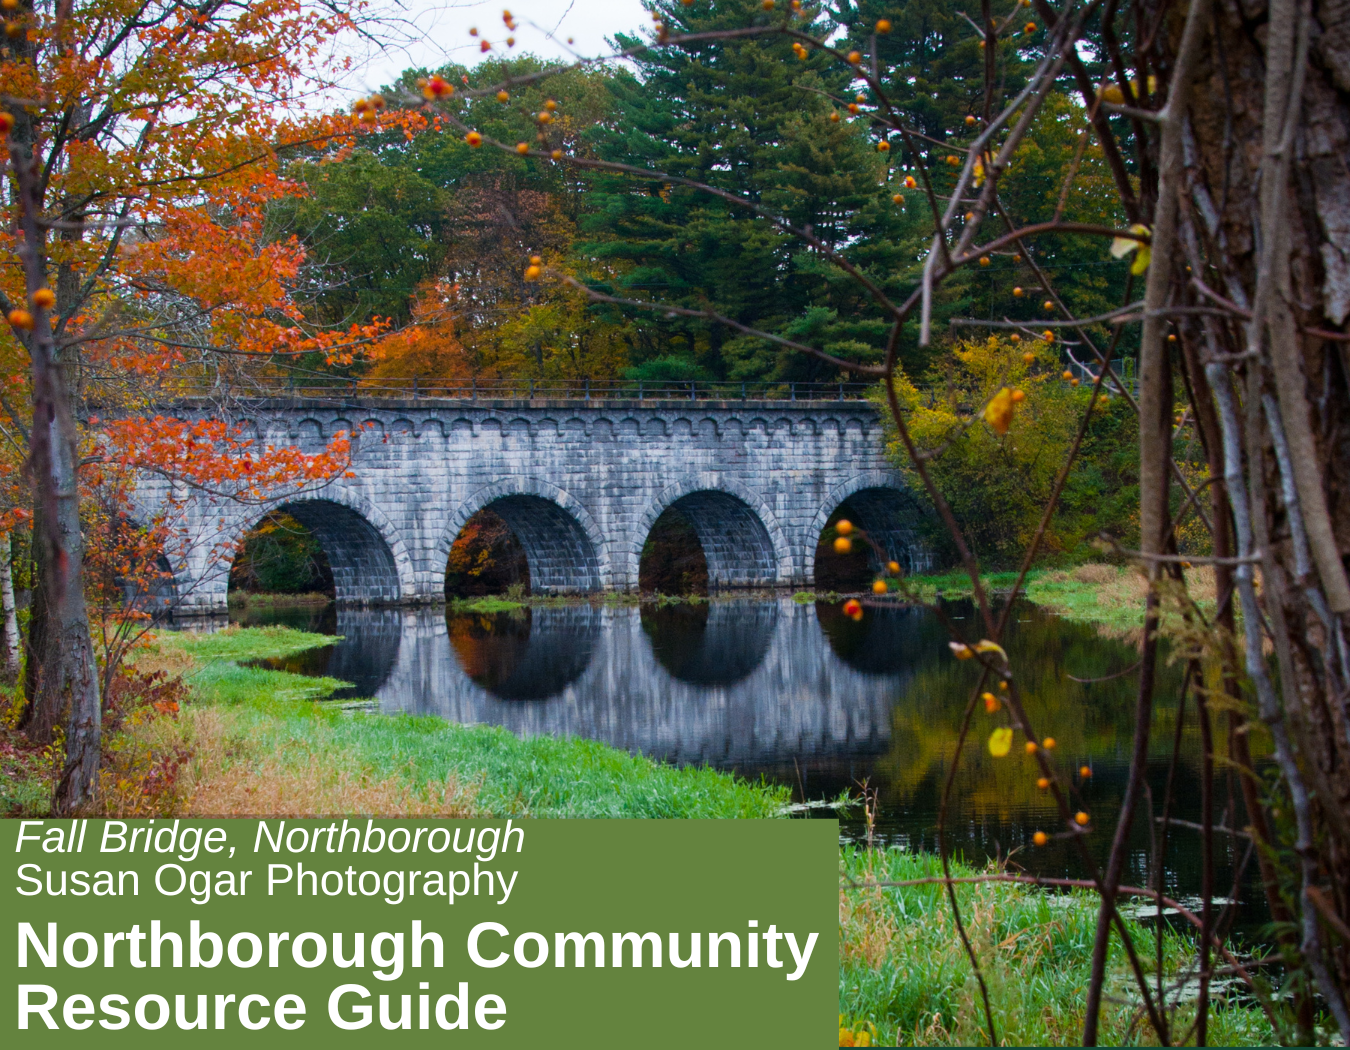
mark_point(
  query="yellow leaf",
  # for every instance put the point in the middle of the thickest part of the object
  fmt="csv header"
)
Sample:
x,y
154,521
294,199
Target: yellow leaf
x,y
1000,742
984,645
999,412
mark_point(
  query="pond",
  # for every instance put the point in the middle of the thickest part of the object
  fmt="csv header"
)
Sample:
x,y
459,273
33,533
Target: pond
x,y
804,696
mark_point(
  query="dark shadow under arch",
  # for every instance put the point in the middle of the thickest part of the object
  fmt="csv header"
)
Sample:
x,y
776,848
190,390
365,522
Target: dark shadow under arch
x,y
888,516
560,556
736,545
362,564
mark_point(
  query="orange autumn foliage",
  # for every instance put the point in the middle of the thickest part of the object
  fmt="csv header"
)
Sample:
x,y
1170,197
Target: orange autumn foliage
x,y
430,348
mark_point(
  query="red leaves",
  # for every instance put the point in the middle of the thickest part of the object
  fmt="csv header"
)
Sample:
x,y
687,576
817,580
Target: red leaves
x,y
216,458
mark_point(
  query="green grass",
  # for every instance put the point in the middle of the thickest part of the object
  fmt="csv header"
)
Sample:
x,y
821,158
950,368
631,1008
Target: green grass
x,y
902,968
274,713
490,604
1113,605
241,643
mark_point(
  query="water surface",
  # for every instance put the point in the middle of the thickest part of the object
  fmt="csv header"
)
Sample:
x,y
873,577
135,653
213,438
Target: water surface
x,y
804,696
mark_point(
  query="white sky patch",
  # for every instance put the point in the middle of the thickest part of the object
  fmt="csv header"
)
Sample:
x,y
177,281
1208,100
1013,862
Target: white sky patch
x,y
428,34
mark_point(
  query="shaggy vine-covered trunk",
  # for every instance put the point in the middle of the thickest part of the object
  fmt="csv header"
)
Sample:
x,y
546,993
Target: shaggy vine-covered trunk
x,y
1267,196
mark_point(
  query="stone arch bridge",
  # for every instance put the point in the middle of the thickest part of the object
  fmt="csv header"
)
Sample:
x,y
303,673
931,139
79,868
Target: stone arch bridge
x,y
580,483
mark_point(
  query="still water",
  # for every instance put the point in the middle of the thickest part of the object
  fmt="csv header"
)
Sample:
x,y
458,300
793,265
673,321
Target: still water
x,y
806,697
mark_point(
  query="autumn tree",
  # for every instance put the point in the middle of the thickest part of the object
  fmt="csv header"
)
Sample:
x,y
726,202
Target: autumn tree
x,y
141,147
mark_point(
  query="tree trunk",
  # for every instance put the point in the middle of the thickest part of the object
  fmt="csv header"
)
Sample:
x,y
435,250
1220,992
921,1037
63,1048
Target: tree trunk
x,y
66,672
1270,198
9,628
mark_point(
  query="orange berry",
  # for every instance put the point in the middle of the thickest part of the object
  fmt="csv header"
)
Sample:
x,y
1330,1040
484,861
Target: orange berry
x,y
545,117
879,587
1043,783
522,148
1029,28
1048,304
897,198
1073,382
502,96
44,298
9,5
376,102
883,146
1019,396
970,216
1028,358
1017,257
550,105
853,108
766,4
1172,337
893,567
953,160
21,319
991,703
883,25
970,120
860,98
1048,336
1031,747
853,609
474,139
438,87
985,260
843,526
6,122
1066,374
1040,838
910,182
473,31
1003,686
1084,772
1081,818
556,154
1103,400
532,273
1018,292
834,116
1015,338
535,260
843,545
484,46
854,58
1048,743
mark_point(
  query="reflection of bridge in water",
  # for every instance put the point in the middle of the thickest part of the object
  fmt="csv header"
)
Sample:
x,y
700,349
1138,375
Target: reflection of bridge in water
x,y
726,683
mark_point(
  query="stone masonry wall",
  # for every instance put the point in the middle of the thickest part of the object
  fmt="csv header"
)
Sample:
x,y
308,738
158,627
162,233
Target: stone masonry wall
x,y
581,484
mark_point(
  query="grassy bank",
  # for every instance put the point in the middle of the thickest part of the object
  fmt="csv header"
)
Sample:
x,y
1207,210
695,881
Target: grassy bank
x,y
1109,596
902,968
260,741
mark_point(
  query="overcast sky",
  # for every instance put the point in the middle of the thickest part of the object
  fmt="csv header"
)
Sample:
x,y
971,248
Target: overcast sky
x,y
429,33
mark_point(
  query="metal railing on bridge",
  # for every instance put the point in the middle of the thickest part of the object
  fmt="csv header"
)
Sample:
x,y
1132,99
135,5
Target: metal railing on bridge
x,y
416,389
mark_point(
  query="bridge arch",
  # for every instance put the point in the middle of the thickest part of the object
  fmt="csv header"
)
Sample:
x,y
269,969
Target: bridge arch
x,y
886,511
370,562
741,538
564,547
